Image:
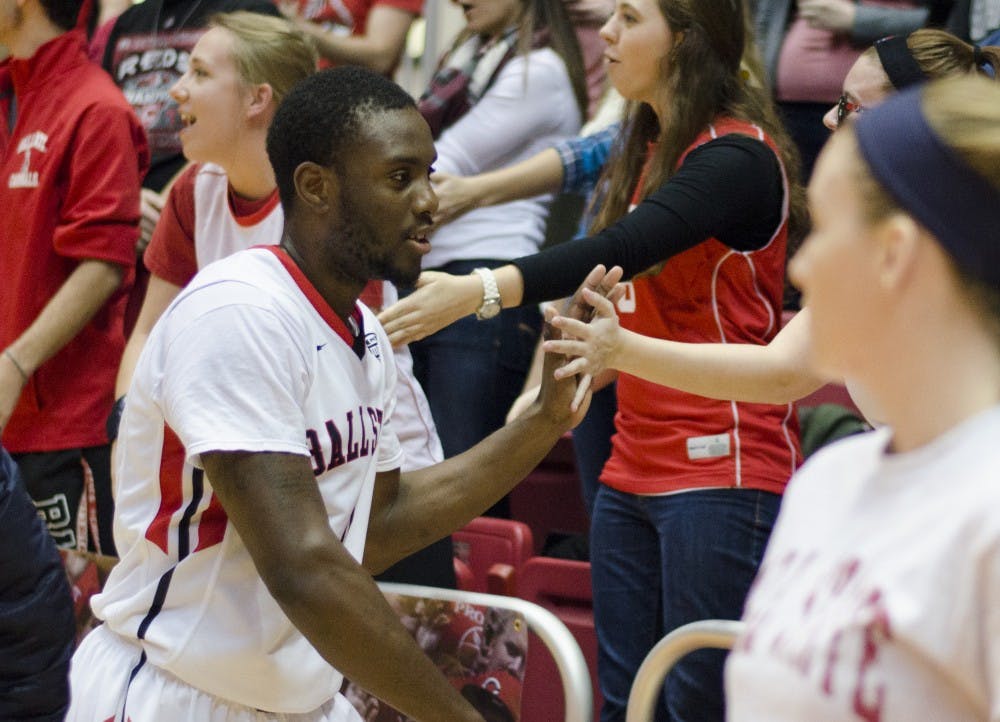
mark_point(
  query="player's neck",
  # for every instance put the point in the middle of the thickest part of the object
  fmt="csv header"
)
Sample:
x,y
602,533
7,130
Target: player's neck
x,y
340,293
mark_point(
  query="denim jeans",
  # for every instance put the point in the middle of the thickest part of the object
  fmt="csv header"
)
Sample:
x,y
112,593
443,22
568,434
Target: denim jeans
x,y
659,562
592,443
473,370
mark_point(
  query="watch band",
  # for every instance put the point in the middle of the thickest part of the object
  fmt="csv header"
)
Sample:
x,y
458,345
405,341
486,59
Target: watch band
x,y
490,306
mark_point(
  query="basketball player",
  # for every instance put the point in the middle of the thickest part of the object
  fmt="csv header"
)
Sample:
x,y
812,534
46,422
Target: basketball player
x,y
245,593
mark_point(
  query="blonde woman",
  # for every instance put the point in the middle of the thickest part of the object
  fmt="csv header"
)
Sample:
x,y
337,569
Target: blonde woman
x,y
878,595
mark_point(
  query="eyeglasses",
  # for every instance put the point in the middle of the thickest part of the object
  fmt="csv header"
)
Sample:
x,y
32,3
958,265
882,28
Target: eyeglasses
x,y
845,107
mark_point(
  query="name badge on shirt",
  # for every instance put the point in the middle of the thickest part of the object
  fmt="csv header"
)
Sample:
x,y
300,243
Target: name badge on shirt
x,y
708,447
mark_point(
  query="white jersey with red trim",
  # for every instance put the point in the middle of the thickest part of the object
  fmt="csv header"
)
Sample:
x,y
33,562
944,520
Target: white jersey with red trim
x,y
248,357
219,230
878,598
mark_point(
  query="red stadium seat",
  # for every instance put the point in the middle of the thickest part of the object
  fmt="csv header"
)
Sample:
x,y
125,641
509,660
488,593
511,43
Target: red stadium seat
x,y
464,578
563,587
494,550
549,500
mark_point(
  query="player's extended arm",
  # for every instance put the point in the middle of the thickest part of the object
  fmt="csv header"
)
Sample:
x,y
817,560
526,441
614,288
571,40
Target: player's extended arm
x,y
412,510
159,294
541,173
378,49
775,374
274,503
81,296
441,299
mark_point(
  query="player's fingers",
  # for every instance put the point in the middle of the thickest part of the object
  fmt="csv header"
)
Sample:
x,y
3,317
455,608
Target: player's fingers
x,y
602,306
576,306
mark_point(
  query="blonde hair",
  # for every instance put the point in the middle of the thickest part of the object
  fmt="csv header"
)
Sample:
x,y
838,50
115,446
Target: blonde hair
x,y
964,112
268,50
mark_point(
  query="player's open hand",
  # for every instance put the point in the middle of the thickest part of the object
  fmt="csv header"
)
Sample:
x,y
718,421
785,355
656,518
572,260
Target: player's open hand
x,y
599,284
563,400
591,347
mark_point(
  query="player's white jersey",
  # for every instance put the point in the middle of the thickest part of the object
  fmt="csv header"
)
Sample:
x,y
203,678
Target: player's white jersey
x,y
248,357
219,233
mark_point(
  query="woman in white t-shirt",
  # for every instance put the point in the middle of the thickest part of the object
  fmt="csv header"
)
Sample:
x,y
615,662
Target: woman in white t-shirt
x,y
879,594
512,84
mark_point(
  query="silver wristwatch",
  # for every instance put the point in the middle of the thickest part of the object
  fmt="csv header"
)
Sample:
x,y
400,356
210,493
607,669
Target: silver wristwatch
x,y
490,306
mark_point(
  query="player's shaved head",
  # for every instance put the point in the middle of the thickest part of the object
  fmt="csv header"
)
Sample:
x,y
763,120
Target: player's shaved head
x,y
320,119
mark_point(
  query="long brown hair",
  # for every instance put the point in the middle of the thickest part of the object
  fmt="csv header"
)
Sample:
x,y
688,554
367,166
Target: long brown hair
x,y
704,75
550,20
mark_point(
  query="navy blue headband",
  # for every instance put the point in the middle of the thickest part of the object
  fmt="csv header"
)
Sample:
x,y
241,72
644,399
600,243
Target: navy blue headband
x,y
933,184
898,63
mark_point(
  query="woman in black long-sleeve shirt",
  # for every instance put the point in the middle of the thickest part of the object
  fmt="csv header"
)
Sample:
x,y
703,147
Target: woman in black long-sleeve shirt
x,y
692,487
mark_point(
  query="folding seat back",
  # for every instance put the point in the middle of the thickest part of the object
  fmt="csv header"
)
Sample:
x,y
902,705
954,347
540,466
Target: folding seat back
x,y
494,550
563,587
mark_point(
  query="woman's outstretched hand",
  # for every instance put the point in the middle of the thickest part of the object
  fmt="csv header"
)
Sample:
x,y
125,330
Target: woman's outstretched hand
x,y
584,320
439,300
593,346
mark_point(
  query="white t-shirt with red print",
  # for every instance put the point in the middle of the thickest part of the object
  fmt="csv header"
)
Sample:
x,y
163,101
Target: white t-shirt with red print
x,y
879,596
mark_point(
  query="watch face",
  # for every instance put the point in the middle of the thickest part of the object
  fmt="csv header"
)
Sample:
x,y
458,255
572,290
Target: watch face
x,y
490,309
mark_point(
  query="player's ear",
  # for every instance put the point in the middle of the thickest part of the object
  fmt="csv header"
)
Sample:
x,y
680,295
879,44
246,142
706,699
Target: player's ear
x,y
317,187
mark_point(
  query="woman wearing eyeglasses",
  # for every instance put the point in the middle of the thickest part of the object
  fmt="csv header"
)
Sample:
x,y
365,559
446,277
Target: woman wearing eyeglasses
x,y
777,372
894,63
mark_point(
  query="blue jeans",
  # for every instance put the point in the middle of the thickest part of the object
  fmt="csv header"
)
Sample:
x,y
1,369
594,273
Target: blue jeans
x,y
472,371
592,443
659,562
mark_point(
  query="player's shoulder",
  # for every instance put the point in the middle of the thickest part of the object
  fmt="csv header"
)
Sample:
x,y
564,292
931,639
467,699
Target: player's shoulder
x,y
246,278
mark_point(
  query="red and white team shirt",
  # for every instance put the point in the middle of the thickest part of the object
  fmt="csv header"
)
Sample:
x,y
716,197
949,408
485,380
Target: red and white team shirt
x,y
878,598
248,357
667,440
203,221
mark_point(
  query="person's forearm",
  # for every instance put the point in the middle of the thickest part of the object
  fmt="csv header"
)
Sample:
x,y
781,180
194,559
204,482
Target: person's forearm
x,y
872,22
159,294
379,49
351,49
433,502
373,649
67,312
541,173
274,504
774,374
